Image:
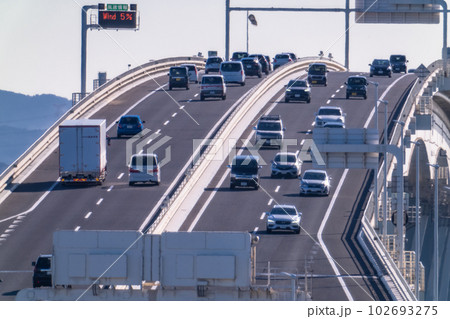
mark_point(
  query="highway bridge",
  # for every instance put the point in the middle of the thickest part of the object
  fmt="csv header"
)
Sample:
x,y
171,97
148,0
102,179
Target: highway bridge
x,y
33,204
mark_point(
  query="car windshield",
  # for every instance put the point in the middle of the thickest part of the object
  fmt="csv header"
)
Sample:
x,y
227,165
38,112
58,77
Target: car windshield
x,y
231,67
283,211
329,112
239,55
314,175
317,69
381,62
245,165
356,81
213,60
248,61
43,263
285,158
143,160
282,56
130,120
269,126
398,58
178,72
190,67
211,80
297,83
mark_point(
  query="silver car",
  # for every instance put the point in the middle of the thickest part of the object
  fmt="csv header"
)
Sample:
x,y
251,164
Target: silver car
x,y
329,114
284,217
286,163
315,182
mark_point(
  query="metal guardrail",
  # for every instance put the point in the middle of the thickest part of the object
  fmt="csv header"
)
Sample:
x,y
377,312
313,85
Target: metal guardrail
x,y
194,173
88,103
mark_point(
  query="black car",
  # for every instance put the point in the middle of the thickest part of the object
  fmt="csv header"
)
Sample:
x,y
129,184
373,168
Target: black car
x,y
356,87
263,61
317,74
297,90
398,63
380,67
179,77
245,171
238,56
252,66
42,273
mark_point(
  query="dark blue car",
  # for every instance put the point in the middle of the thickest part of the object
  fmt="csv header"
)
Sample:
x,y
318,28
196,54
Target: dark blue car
x,y
129,125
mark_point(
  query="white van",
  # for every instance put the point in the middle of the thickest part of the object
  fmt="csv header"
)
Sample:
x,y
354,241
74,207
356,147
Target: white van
x,y
144,168
193,72
233,72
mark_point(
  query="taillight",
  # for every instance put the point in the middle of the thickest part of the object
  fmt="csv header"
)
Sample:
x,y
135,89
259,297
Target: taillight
x,y
274,60
290,60
132,170
155,170
120,126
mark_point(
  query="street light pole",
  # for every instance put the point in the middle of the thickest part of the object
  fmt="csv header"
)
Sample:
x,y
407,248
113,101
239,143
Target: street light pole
x,y
385,134
436,243
376,169
417,283
247,31
400,190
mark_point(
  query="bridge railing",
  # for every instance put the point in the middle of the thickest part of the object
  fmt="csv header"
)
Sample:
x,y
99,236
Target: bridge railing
x,y
102,95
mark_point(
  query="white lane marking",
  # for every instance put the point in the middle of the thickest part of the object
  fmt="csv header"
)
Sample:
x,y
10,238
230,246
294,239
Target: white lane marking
x,y
174,114
337,91
88,215
110,188
158,131
256,229
328,102
277,189
149,141
13,226
312,124
120,176
166,122
333,95
4,235
141,151
270,202
302,142
9,230
22,215
381,98
77,228
262,216
322,244
342,86
99,201
190,101
182,107
196,95
309,132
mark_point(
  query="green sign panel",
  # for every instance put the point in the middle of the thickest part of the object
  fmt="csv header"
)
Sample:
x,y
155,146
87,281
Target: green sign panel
x,y
117,7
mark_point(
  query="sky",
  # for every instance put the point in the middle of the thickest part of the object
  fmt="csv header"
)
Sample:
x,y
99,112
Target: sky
x,y
41,39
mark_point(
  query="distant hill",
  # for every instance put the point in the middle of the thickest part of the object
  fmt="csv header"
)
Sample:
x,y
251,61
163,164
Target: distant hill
x,y
23,119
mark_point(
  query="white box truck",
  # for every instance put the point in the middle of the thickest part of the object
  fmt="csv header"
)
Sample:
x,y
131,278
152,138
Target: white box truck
x,y
82,151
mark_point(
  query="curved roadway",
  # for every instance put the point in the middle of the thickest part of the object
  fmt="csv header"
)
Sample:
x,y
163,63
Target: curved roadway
x,y
40,205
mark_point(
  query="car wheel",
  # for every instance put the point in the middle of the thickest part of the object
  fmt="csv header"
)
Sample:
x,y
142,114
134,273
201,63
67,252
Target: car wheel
x,y
232,186
187,87
390,75
224,97
286,100
256,186
297,231
365,96
242,83
371,75
268,230
157,183
206,72
309,100
202,98
259,75
131,183
267,72
196,82
347,96
119,136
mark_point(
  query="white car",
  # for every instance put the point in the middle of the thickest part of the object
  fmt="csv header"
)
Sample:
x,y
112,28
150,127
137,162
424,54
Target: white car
x,y
329,114
213,86
286,163
284,217
315,182
144,168
193,72
233,72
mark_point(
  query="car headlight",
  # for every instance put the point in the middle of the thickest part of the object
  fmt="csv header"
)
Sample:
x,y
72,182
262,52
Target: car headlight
x,y
288,90
270,221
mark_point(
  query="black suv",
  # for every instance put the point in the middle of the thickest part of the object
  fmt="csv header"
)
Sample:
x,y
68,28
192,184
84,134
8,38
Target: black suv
x,y
297,90
42,274
356,87
263,61
398,63
380,67
238,56
178,77
317,74
252,66
245,171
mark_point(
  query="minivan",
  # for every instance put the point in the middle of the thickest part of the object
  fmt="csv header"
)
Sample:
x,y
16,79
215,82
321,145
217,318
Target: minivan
x,y
245,171
233,72
213,64
178,77
398,63
144,168
213,86
192,72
